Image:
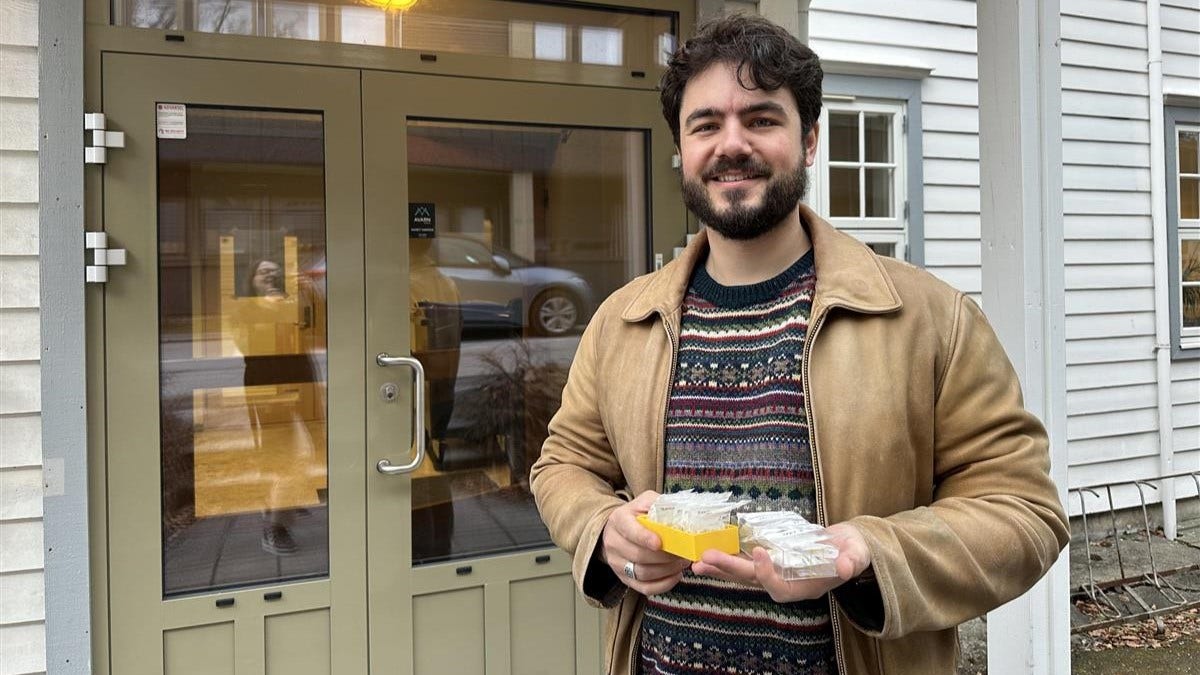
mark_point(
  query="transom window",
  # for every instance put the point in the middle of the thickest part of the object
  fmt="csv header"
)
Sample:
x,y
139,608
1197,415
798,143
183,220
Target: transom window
x,y
619,37
860,181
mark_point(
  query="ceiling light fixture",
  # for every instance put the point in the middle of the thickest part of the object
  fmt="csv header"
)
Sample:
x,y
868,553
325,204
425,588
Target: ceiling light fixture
x,y
391,5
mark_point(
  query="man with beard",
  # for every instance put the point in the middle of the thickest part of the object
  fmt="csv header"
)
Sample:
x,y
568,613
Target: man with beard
x,y
785,362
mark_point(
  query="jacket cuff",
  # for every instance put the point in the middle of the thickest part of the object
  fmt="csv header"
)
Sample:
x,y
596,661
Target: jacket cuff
x,y
861,601
600,583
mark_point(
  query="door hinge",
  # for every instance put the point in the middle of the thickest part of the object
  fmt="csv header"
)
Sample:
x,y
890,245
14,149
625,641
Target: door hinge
x,y
905,209
100,138
904,123
103,257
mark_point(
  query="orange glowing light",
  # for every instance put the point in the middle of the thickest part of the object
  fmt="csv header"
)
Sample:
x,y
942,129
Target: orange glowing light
x,y
391,5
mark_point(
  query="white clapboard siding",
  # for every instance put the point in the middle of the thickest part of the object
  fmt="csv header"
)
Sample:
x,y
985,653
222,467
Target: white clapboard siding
x,y
1121,11
952,172
1121,106
1089,456
18,229
1102,375
1104,57
1105,301
833,21
1181,47
1106,226
1085,326
1112,397
1083,427
1131,397
1108,251
1183,390
1108,276
940,35
1111,153
1110,350
963,119
20,440
950,145
1107,178
952,225
1086,128
1080,78
22,584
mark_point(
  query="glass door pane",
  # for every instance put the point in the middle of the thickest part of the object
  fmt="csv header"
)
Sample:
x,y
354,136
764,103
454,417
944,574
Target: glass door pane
x,y
242,342
516,233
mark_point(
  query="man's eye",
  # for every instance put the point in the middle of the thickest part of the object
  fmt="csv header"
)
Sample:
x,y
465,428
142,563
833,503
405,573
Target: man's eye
x,y
703,128
763,122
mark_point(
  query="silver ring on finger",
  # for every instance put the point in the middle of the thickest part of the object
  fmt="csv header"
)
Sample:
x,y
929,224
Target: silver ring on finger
x,y
631,570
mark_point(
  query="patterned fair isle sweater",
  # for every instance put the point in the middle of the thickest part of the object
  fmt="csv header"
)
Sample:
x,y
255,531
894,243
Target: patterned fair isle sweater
x,y
736,422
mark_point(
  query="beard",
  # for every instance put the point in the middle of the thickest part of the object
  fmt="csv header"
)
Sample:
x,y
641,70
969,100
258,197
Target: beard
x,y
740,220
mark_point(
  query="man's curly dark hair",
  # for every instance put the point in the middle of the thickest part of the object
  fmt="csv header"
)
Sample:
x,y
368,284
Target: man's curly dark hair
x,y
765,54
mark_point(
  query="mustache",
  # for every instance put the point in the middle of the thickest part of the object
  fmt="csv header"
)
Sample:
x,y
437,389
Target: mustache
x,y
747,166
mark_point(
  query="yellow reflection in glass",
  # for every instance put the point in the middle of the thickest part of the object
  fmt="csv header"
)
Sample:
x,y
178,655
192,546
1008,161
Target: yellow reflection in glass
x,y
261,446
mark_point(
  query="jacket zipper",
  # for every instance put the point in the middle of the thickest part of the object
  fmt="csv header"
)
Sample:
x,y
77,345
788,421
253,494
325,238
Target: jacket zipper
x,y
816,464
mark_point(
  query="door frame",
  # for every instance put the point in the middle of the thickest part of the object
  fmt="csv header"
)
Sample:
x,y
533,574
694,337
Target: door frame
x,y
132,311
669,225
389,100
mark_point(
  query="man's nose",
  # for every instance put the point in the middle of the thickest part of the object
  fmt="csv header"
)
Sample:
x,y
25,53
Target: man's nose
x,y
733,142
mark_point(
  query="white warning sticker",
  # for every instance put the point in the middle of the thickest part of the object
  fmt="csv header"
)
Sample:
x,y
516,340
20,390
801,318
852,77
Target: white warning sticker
x,y
171,120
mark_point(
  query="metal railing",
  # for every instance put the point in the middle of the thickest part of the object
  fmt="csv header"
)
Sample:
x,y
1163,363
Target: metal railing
x,y
1109,596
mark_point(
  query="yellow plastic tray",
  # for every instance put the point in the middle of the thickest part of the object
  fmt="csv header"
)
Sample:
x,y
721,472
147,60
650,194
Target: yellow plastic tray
x,y
690,546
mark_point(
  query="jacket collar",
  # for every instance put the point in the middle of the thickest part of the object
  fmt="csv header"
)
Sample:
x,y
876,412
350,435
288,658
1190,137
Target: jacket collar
x,y
849,275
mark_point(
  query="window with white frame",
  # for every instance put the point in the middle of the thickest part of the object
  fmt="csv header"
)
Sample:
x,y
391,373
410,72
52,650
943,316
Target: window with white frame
x,y
860,182
1188,209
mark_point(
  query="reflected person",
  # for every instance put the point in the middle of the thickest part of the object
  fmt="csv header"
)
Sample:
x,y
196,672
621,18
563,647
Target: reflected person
x,y
270,327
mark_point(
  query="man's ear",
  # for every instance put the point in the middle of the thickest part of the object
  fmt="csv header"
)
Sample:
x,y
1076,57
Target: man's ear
x,y
811,144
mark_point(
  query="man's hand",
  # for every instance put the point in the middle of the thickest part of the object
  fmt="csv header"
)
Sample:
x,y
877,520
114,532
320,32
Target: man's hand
x,y
625,540
854,557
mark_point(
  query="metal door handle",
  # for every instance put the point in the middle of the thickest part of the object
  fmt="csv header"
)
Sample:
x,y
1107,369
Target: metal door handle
x,y
384,466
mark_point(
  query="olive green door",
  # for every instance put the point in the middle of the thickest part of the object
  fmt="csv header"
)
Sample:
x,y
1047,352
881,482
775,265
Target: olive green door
x,y
350,302
235,368
521,207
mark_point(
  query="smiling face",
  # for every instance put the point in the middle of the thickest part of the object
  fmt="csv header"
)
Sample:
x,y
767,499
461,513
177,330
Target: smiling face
x,y
744,153
267,280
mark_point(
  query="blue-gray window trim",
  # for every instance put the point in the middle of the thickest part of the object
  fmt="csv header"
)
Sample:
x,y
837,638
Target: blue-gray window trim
x,y
1172,116
908,91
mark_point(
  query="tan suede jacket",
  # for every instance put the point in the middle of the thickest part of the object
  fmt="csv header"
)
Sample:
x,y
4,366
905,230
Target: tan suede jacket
x,y
919,436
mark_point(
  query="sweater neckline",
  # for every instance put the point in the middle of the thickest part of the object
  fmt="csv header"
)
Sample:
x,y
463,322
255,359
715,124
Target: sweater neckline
x,y
709,289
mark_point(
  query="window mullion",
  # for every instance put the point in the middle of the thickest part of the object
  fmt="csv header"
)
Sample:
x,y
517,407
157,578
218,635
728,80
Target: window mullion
x,y
862,171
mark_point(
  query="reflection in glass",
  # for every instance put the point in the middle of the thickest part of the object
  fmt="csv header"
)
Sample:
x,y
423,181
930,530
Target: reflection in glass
x,y
879,193
534,225
1189,198
877,132
296,21
362,26
883,248
235,17
1189,268
242,349
611,36
843,137
1189,151
843,192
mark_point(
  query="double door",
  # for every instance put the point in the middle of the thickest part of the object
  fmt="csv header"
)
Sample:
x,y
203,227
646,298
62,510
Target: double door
x,y
350,303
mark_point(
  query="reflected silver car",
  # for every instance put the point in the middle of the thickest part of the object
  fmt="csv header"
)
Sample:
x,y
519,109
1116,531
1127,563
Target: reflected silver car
x,y
500,289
